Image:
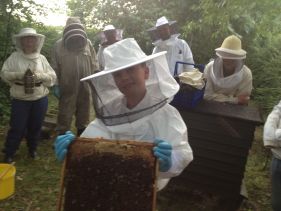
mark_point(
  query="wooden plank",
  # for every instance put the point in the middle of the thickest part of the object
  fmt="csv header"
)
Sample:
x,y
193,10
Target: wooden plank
x,y
245,113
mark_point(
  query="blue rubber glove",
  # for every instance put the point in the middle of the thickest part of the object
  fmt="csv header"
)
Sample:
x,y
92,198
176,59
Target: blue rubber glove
x,y
61,144
56,91
163,151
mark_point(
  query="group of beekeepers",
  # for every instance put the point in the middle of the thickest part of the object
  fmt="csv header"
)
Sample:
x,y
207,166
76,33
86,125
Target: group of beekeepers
x,y
130,91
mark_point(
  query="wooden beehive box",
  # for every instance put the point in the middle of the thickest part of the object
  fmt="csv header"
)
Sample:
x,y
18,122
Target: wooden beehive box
x,y
220,135
103,175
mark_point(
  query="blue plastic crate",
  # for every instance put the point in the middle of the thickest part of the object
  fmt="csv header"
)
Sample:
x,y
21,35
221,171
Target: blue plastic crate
x,y
190,98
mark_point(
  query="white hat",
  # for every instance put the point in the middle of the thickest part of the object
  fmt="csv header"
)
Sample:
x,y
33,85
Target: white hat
x,y
123,54
109,27
161,21
28,32
231,48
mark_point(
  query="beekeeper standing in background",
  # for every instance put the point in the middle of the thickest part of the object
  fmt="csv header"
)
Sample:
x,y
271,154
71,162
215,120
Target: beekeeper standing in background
x,y
29,75
73,58
108,36
177,49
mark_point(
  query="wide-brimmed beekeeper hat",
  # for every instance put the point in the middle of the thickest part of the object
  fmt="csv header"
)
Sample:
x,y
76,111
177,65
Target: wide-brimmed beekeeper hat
x,y
109,100
108,28
115,59
163,21
231,48
25,32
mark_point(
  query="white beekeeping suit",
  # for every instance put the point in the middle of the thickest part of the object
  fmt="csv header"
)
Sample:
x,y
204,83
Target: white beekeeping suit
x,y
272,131
151,118
177,49
108,36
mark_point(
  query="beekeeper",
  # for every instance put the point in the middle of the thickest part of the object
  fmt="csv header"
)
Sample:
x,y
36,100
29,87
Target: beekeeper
x,y
131,103
73,58
29,75
272,140
108,36
177,49
228,79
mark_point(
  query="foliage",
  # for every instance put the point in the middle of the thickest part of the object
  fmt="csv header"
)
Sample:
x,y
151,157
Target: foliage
x,y
257,24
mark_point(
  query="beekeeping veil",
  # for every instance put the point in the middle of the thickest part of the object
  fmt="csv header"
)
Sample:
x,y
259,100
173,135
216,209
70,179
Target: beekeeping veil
x,y
25,32
110,103
74,35
231,48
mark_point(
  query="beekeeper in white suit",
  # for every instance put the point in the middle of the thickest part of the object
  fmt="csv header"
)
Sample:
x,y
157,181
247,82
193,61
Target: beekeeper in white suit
x,y
108,36
177,49
272,140
131,103
228,79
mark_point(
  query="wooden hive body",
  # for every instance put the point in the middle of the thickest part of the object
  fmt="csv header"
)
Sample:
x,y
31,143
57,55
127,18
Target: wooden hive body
x,y
220,136
103,175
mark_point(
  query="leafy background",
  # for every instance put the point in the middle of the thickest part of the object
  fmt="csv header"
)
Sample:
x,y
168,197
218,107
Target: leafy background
x,y
202,23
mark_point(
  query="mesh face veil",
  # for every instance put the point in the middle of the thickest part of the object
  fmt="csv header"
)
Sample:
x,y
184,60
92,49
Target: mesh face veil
x,y
110,103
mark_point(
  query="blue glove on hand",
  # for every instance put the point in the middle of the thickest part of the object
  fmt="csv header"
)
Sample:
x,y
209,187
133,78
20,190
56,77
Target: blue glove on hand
x,y
163,151
61,144
56,91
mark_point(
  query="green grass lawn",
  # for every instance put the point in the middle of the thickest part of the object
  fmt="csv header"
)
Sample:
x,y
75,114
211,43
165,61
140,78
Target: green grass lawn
x,y
38,181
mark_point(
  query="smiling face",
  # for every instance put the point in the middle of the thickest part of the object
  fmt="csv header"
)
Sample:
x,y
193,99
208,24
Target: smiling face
x,y
29,44
131,83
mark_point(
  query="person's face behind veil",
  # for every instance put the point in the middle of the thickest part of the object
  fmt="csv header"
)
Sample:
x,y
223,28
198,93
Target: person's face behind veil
x,y
131,83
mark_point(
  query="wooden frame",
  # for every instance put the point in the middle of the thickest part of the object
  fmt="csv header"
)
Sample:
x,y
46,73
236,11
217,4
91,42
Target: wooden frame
x,y
107,186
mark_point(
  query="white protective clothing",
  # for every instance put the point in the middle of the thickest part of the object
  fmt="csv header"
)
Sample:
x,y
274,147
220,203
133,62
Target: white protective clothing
x,y
15,66
100,57
103,45
227,89
177,50
165,123
151,118
272,131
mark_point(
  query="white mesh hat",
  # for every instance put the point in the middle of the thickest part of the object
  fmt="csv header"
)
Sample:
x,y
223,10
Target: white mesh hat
x,y
108,100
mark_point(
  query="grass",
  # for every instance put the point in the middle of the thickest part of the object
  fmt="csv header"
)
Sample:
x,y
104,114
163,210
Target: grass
x,y
38,181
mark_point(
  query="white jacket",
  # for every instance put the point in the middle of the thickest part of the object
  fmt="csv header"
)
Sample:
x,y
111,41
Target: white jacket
x,y
165,123
177,50
272,131
100,57
14,69
231,93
